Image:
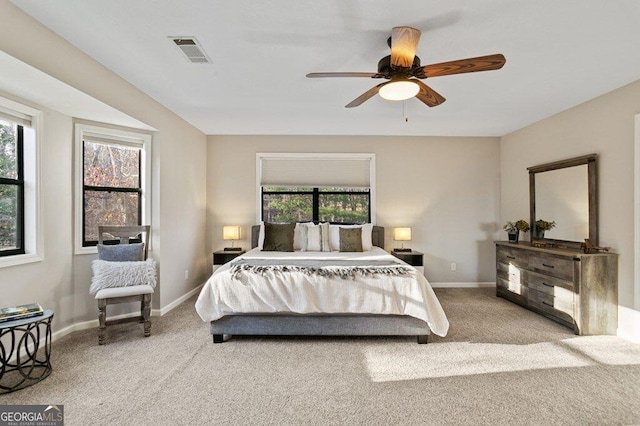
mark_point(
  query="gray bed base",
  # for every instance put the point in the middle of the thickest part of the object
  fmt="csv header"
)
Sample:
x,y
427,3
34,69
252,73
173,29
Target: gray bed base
x,y
319,324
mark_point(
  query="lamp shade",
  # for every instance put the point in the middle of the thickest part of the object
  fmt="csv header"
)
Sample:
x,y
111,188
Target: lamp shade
x,y
399,90
231,232
402,234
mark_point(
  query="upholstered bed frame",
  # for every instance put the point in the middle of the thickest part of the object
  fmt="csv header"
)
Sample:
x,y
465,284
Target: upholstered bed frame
x,y
320,324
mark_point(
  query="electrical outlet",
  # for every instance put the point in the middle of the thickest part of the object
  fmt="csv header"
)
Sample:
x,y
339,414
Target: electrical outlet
x,y
186,274
454,267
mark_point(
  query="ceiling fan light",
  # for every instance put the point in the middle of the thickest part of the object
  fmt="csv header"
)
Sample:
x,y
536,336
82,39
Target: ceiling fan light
x,y
399,90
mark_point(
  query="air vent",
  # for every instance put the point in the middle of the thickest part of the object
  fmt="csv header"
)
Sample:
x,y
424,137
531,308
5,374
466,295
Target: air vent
x,y
191,49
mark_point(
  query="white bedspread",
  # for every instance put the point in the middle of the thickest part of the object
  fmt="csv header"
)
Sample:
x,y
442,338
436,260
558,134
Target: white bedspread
x,y
296,292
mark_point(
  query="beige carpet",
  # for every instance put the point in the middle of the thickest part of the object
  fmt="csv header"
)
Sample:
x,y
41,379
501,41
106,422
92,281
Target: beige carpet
x,y
500,364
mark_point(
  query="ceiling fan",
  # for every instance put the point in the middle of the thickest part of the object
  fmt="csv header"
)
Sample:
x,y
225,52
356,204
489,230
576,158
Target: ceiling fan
x,y
403,71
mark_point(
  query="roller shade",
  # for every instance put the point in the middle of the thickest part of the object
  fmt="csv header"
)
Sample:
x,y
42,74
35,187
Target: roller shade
x,y
316,172
17,117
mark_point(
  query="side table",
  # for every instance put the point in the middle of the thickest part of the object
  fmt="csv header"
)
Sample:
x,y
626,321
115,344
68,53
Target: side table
x,y
224,256
25,359
413,258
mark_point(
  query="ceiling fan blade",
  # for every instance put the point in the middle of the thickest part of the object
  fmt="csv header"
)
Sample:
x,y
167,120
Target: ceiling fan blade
x,y
404,42
340,74
481,63
428,95
365,96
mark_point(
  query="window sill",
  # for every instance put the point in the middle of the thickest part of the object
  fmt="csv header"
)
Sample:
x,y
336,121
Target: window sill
x,y
86,250
19,259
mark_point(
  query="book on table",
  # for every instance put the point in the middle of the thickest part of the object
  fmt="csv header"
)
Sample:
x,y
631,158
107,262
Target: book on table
x,y
20,312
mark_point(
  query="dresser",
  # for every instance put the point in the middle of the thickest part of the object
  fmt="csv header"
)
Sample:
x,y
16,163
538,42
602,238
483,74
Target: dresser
x,y
575,289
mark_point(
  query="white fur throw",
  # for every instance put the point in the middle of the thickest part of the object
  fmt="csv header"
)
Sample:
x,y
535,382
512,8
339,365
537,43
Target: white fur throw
x,y
122,274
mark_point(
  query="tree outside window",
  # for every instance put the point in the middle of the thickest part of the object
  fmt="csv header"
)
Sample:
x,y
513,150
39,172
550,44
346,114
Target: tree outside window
x,y
302,204
112,190
11,189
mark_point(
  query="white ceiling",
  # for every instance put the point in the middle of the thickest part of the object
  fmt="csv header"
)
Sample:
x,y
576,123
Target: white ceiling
x,y
559,54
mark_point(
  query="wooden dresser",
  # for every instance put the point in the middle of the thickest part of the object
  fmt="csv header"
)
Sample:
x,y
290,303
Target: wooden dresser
x,y
575,289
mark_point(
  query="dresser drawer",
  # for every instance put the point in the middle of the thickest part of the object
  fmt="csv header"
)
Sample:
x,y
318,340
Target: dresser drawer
x,y
511,286
510,256
510,273
555,266
546,283
560,307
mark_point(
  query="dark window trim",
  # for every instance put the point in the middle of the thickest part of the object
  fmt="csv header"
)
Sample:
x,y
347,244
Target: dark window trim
x,y
19,182
315,193
85,188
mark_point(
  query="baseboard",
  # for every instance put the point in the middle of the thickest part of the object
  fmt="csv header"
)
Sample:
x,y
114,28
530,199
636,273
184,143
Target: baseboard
x,y
463,285
94,323
178,301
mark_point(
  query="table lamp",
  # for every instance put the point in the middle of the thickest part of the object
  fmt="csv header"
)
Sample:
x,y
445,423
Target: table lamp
x,y
402,234
231,233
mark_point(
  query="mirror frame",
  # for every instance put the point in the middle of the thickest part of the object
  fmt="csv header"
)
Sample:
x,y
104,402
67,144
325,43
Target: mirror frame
x,y
591,161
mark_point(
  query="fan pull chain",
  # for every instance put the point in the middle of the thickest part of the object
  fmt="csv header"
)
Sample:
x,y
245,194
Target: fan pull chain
x,y
404,111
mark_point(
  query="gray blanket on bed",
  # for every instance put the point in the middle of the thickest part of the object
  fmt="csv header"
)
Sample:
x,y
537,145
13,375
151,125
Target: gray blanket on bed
x,y
330,268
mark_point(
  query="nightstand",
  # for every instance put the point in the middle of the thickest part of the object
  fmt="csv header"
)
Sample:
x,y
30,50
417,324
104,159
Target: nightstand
x,y
413,258
223,256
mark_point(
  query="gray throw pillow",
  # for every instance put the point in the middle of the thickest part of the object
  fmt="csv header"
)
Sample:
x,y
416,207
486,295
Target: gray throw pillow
x,y
351,239
121,252
278,237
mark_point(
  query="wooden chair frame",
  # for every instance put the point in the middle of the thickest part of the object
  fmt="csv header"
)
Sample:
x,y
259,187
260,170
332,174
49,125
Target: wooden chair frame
x,y
125,234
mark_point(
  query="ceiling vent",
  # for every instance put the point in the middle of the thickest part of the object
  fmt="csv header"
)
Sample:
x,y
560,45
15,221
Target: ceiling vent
x,y
191,49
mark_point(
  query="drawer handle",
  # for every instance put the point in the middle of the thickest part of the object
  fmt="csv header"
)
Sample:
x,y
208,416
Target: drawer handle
x,y
511,257
548,285
548,266
548,304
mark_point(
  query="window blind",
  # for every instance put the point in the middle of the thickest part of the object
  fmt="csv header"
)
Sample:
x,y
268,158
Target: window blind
x,y
316,172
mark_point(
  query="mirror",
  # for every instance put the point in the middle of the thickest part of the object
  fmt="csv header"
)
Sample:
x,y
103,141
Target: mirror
x,y
564,192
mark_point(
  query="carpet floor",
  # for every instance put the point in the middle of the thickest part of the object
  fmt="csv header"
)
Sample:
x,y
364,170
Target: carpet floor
x,y
499,364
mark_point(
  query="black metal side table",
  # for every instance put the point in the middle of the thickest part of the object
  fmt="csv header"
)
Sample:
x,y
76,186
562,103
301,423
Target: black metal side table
x,y
25,358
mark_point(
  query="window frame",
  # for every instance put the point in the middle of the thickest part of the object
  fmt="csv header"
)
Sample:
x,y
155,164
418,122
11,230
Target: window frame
x,y
370,157
19,183
315,193
32,233
117,137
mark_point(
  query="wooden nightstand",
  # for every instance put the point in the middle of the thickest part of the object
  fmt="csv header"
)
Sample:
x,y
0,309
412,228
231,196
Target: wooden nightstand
x,y
223,256
413,258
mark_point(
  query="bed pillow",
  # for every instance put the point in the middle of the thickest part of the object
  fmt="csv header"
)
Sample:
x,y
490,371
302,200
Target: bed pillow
x,y
121,252
260,236
300,236
122,274
278,236
334,236
318,237
350,239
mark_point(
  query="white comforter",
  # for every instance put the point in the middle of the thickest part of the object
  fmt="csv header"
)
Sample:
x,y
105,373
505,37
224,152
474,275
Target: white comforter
x,y
296,292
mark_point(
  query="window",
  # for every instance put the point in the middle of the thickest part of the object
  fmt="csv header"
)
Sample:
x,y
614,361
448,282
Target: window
x,y
300,204
112,183
336,188
20,230
11,188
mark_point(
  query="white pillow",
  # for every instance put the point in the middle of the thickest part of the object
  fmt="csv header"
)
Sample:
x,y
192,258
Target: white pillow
x,y
334,236
261,236
324,229
318,237
108,274
300,236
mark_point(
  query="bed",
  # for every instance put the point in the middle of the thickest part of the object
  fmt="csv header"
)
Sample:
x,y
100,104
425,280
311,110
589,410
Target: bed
x,y
369,293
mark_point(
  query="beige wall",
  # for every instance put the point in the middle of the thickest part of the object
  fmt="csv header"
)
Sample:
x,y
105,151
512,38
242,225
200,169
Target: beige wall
x,y
446,189
178,182
605,126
